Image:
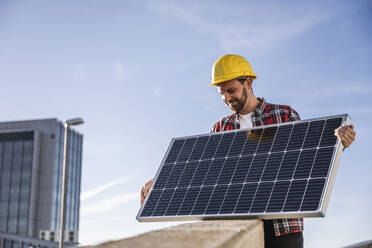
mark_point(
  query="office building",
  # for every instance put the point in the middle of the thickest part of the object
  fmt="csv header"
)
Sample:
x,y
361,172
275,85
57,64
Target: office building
x,y
31,154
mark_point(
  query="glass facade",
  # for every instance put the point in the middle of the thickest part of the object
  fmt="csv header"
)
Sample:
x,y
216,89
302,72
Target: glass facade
x,y
15,181
13,241
73,179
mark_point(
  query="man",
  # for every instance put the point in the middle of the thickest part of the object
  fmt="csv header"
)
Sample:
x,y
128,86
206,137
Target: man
x,y
233,76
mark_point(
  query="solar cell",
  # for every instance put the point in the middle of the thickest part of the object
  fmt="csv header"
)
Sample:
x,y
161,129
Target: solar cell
x,y
216,199
277,171
231,198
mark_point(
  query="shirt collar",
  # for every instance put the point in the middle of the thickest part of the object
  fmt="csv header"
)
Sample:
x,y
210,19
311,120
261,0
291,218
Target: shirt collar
x,y
259,109
261,106
257,112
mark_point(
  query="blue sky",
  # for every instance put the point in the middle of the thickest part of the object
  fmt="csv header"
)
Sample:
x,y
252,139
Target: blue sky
x,y
137,72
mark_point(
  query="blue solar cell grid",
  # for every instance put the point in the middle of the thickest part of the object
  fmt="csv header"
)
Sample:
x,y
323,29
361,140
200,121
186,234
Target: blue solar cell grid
x,y
277,169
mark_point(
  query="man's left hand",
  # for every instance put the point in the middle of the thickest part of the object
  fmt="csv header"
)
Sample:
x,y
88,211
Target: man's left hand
x,y
346,134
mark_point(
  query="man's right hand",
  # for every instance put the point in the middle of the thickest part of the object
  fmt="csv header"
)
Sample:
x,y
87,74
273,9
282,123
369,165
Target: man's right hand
x,y
145,190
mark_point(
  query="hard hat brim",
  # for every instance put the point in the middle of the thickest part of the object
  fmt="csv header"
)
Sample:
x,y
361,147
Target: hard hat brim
x,y
233,76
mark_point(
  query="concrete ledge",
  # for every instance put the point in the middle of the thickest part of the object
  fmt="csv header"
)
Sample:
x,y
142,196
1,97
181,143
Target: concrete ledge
x,y
211,234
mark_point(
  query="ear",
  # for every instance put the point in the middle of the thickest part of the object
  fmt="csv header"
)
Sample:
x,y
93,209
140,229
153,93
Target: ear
x,y
218,89
249,82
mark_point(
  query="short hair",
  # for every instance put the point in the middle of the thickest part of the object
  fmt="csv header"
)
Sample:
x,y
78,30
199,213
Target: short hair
x,y
242,79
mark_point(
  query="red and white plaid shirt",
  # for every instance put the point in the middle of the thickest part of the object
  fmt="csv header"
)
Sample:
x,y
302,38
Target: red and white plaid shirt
x,y
266,114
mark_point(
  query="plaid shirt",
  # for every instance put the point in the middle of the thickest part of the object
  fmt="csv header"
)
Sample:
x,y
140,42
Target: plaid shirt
x,y
266,114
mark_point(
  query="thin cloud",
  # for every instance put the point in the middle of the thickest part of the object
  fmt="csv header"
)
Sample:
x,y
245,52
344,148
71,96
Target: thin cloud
x,y
339,89
256,33
123,72
90,193
324,90
91,221
108,204
158,92
120,71
365,111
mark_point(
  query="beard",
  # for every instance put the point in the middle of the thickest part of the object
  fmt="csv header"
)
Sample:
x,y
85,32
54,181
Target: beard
x,y
237,104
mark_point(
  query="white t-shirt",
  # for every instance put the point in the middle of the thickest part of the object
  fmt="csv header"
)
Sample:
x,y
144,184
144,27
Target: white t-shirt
x,y
245,121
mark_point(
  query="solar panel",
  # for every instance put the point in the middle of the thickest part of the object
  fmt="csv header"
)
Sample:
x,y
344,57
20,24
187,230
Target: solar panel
x,y
275,171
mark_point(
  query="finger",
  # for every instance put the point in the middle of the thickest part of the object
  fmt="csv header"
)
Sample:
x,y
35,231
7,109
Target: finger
x,y
142,197
346,141
337,132
341,132
349,127
346,134
340,135
146,191
346,130
349,138
150,182
350,130
148,185
349,135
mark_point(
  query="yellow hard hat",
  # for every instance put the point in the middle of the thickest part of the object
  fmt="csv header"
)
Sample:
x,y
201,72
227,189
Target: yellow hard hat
x,y
230,66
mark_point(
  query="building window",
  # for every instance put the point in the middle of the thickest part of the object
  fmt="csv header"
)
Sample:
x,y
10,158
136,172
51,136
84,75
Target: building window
x,y
12,225
15,244
8,243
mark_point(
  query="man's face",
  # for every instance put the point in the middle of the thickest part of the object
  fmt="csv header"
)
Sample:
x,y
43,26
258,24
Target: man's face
x,y
234,94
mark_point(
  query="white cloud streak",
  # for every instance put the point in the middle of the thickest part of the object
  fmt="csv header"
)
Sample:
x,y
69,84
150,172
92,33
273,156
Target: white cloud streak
x,y
159,92
101,188
256,32
91,221
108,204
